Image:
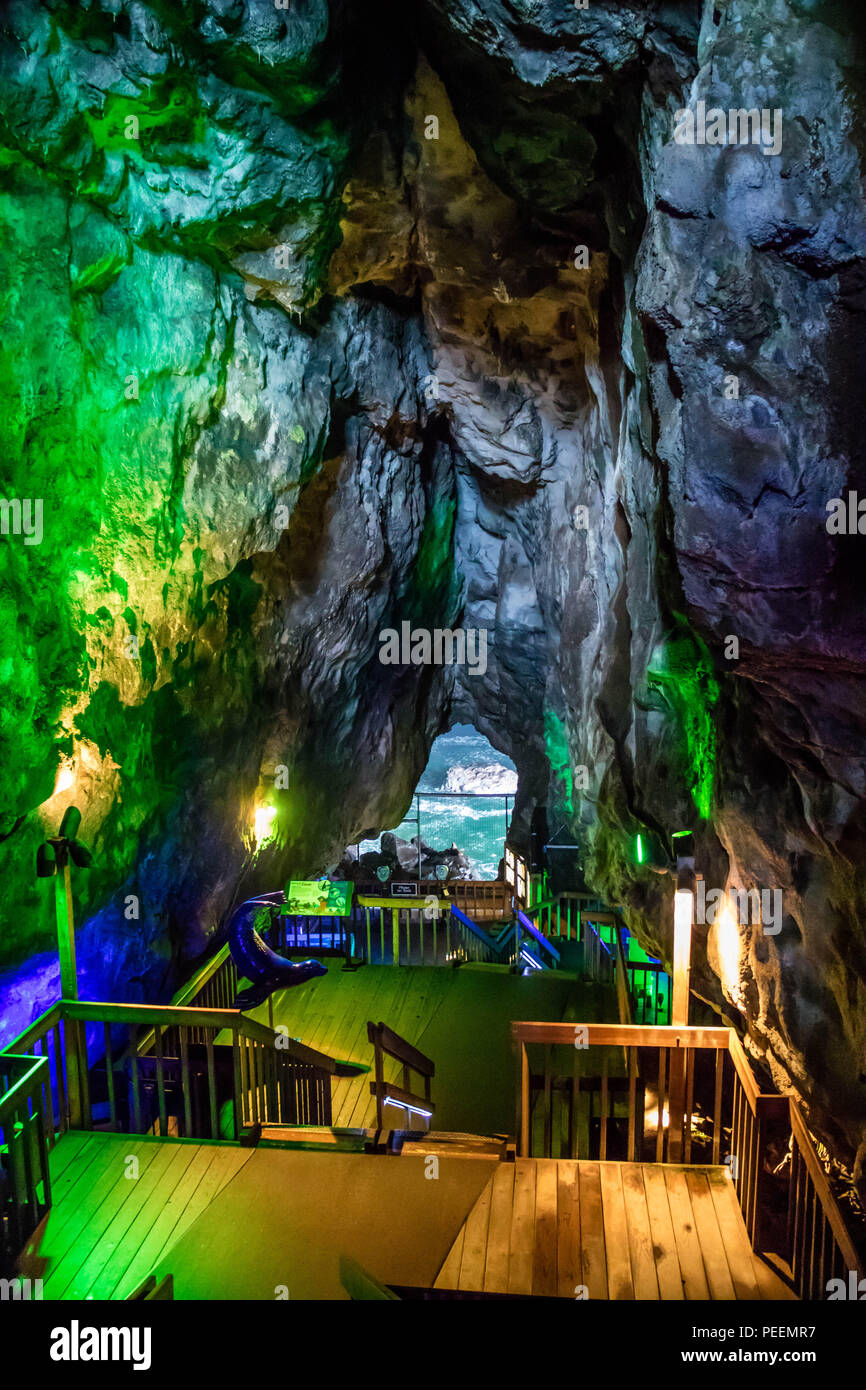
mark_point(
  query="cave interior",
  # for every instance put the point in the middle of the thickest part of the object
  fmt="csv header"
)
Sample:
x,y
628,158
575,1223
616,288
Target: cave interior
x,y
381,376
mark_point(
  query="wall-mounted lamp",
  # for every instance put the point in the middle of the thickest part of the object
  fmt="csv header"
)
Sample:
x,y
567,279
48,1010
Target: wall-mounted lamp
x,y
684,916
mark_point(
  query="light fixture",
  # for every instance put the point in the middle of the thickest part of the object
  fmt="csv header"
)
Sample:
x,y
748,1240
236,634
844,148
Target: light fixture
x,y
684,916
410,1109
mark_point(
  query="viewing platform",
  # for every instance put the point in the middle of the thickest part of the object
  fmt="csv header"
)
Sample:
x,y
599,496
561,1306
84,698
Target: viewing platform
x,y
193,1149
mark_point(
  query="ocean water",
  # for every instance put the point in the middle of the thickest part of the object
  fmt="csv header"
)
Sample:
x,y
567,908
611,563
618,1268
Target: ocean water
x,y
462,761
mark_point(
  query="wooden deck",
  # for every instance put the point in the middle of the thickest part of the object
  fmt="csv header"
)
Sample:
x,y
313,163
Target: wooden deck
x,y
621,1230
113,1220
237,1223
450,1015
240,1223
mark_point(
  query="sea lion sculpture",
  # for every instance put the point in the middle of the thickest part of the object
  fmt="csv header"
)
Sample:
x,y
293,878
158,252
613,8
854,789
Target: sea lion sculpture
x,y
253,958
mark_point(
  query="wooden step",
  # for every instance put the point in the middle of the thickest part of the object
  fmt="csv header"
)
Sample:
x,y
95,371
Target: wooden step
x,y
447,1143
316,1137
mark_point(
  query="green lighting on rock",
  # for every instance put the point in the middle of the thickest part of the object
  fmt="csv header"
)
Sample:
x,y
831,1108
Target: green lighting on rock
x,y
556,746
681,672
638,846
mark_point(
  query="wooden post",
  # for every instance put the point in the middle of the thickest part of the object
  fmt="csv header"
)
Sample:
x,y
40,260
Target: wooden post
x,y
524,1102
74,1034
65,931
676,1104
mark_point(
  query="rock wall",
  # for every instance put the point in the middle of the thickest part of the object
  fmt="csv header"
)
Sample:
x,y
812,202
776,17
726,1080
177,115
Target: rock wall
x,y
420,312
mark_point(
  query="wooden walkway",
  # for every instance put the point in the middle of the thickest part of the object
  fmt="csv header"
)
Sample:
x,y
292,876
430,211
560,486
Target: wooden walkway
x,y
237,1223
120,1203
621,1230
459,1018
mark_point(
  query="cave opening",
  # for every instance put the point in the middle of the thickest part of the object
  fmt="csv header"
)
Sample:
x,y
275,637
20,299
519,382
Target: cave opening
x,y
458,820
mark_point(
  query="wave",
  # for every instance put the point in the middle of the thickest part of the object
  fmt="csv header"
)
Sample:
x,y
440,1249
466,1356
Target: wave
x,y
488,777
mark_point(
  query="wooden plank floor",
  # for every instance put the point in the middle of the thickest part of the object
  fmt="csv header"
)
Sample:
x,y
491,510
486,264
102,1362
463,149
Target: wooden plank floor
x,y
459,1018
120,1203
240,1223
625,1231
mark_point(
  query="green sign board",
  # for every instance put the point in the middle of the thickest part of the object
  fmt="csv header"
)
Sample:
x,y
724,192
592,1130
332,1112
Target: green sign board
x,y
317,898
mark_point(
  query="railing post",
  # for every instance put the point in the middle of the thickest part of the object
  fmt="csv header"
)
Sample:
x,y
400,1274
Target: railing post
x,y
766,1109
77,1091
237,1098
676,1104
524,1101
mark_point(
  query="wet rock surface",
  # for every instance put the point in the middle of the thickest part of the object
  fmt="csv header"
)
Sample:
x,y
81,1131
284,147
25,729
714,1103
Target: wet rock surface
x,y
446,329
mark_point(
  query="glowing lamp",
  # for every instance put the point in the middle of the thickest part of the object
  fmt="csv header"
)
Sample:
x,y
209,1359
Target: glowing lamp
x,y
684,912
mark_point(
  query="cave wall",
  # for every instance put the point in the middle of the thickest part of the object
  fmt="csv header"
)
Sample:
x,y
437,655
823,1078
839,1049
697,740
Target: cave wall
x,y
292,366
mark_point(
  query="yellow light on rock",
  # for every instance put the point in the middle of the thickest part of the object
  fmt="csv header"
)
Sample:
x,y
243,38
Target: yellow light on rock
x,y
729,952
264,820
65,778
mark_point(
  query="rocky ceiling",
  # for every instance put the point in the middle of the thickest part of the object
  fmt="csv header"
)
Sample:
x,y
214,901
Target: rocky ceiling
x,y
323,317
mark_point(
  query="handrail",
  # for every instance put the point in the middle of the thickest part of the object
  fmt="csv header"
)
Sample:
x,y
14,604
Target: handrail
x,y
828,1202
744,1071
201,977
756,1115
412,904
24,1138
170,1016
264,1073
621,974
25,1085
468,923
533,931
35,1031
621,1035
545,902
387,1043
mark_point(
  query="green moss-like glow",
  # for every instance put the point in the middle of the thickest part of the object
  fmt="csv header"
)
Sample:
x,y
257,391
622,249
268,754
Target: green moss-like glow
x,y
556,745
433,579
683,675
125,331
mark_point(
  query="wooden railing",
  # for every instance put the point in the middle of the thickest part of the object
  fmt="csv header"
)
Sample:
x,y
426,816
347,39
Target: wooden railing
x,y
598,959
644,1094
560,916
291,934
623,996
190,1072
213,986
421,931
387,1043
818,1247
25,1180
484,900
571,916
649,1005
